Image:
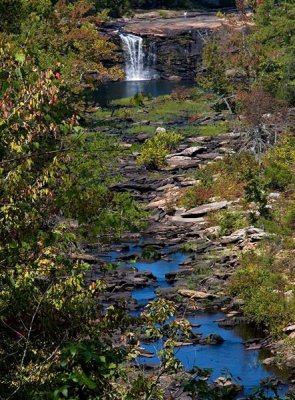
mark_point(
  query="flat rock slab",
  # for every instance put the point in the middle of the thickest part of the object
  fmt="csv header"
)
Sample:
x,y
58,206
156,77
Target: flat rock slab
x,y
190,151
181,162
173,26
195,294
204,209
178,218
209,156
88,258
289,329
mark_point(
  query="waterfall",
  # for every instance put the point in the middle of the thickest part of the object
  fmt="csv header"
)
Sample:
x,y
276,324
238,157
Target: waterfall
x,y
138,66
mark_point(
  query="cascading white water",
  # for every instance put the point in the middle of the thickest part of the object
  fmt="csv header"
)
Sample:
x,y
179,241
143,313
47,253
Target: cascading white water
x,y
135,68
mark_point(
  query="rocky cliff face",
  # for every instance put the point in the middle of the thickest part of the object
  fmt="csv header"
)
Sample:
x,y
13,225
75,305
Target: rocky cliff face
x,y
179,57
178,40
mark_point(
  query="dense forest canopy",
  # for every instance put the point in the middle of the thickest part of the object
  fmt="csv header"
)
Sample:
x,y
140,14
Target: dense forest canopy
x,y
13,11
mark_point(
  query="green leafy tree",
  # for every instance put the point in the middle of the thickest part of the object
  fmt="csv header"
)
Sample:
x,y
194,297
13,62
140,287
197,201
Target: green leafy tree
x,y
44,299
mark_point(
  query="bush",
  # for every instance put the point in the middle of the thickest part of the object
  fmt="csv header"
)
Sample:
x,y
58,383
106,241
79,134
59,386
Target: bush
x,y
263,289
196,196
155,149
137,100
225,187
181,93
229,221
255,191
278,176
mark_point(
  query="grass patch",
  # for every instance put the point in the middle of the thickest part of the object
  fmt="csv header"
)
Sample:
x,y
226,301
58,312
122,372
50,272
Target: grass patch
x,y
214,130
168,110
125,102
187,130
142,129
101,114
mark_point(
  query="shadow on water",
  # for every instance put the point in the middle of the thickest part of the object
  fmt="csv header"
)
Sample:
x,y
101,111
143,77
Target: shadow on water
x,y
106,93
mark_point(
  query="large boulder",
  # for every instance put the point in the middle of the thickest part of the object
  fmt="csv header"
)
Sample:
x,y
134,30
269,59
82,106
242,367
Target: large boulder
x,y
212,339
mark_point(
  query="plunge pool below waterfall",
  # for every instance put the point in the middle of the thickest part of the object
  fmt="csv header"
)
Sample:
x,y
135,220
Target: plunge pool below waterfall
x,y
229,357
110,91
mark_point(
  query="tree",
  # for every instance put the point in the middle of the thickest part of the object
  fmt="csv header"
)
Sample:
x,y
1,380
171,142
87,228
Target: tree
x,y
116,8
44,297
11,12
64,37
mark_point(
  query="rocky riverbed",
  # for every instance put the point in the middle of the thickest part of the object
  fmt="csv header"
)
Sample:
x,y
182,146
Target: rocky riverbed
x,y
153,264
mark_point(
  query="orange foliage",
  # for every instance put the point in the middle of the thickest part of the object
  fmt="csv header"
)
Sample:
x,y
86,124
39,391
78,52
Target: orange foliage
x,y
259,105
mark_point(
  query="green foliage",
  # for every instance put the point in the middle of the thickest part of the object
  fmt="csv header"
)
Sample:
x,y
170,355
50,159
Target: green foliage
x,y
99,211
255,191
155,149
62,36
11,15
213,130
263,289
116,8
51,175
278,176
215,64
88,367
229,221
138,99
275,30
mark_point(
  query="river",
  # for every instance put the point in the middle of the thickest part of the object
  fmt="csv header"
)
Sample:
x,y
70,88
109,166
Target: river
x,y
227,358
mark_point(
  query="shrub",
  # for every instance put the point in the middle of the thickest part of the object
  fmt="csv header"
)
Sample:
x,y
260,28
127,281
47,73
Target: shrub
x,y
228,187
278,175
155,149
163,13
255,191
181,93
229,221
258,103
263,292
195,196
283,152
138,99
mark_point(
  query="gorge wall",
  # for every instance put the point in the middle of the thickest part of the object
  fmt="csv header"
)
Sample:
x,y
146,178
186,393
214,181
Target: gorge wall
x,y
179,57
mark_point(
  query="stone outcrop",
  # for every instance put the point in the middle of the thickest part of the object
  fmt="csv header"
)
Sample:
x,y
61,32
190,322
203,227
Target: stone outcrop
x,y
204,209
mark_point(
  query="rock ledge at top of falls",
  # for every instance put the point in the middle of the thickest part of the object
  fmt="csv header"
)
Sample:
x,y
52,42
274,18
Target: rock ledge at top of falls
x,y
173,26
149,24
204,209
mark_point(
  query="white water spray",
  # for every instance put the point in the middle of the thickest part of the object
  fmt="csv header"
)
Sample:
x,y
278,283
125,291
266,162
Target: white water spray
x,y
135,67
